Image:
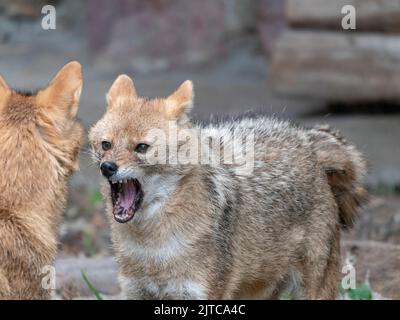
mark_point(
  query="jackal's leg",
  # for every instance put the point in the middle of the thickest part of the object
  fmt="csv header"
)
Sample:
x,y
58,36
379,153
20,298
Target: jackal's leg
x,y
321,279
4,286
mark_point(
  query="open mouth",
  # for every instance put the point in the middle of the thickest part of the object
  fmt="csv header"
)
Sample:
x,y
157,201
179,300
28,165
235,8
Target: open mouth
x,y
126,196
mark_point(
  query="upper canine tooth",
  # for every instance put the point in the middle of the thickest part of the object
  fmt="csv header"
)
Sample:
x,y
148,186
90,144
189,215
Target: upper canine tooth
x,y
120,181
125,180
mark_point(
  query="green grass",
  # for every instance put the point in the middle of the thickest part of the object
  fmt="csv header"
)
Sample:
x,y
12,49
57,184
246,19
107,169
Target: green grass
x,y
361,292
95,197
95,292
88,244
285,296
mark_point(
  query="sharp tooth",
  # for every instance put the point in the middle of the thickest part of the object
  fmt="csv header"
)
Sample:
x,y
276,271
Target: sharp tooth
x,y
120,181
113,182
125,180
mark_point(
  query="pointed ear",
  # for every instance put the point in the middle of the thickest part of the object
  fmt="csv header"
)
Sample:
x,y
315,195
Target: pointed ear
x,y
122,87
180,102
61,97
4,90
3,86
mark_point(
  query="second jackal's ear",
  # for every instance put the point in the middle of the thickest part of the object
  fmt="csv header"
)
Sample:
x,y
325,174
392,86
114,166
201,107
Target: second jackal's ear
x,y
122,87
3,87
60,100
4,90
180,102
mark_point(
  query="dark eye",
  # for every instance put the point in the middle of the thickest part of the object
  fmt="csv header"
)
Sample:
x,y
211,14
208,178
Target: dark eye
x,y
141,148
106,145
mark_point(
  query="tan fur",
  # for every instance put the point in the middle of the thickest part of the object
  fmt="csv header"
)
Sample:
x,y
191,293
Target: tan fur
x,y
40,141
345,169
207,232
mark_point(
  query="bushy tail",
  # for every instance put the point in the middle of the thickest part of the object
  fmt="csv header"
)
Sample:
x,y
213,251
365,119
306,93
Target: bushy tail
x,y
345,169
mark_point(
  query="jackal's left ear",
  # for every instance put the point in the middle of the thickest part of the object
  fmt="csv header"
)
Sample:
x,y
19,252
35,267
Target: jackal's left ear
x,y
60,100
180,102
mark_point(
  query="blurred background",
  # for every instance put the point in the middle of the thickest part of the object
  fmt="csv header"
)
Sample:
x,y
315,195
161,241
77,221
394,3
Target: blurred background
x,y
287,58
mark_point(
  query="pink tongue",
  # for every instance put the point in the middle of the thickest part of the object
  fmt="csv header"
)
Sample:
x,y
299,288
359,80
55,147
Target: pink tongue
x,y
127,195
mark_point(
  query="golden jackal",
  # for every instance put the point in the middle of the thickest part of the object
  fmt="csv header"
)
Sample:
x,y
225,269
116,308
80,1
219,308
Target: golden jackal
x,y
209,229
39,151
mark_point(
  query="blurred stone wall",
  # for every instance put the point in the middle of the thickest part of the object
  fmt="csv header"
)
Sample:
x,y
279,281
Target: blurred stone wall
x,y
157,34
20,20
317,58
160,34
271,22
22,9
154,35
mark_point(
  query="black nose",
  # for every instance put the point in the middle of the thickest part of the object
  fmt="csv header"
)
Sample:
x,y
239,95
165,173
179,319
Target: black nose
x,y
108,168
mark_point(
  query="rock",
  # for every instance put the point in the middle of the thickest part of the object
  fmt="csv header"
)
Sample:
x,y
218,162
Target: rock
x,y
157,34
240,16
378,263
379,221
337,66
271,23
371,15
22,9
101,272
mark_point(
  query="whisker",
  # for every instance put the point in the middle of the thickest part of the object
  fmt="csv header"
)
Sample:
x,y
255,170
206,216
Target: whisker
x,y
92,153
91,164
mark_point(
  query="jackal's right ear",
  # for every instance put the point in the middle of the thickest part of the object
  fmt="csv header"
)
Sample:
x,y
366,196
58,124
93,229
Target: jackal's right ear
x,y
60,100
122,87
